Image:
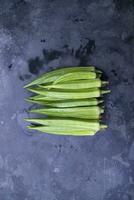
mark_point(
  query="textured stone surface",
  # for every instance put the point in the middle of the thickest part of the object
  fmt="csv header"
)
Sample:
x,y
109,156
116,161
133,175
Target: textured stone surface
x,y
38,36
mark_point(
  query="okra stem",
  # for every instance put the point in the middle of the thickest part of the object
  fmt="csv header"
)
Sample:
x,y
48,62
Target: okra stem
x,y
100,101
104,83
101,110
105,91
103,126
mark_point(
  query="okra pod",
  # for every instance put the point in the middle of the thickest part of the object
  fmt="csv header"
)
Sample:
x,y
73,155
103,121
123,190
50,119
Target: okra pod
x,y
68,123
55,74
82,94
76,85
92,112
65,131
68,103
75,76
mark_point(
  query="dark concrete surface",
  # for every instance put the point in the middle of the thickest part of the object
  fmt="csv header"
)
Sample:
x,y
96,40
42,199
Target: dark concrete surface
x,y
40,35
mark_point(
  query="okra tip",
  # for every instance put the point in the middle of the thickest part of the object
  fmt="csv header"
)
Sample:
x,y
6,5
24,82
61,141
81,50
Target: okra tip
x,y
27,85
32,111
30,89
31,101
27,119
30,127
28,100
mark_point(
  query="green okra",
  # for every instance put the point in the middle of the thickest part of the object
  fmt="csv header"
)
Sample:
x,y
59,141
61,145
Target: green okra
x,y
75,76
69,97
62,131
68,103
68,123
65,130
82,94
55,74
76,85
91,112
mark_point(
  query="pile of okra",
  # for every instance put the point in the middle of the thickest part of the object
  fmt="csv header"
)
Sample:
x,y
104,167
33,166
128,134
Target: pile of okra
x,y
71,101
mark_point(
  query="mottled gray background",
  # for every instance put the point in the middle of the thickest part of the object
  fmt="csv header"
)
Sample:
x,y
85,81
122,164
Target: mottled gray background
x,y
40,35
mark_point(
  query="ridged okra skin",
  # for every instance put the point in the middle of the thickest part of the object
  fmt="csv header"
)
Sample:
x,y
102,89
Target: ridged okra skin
x,y
67,103
69,127
75,85
62,131
67,123
82,94
92,112
55,74
76,76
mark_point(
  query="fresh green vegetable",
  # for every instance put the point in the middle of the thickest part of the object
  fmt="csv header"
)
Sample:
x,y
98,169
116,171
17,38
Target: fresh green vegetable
x,y
76,85
92,112
68,103
68,123
75,76
69,99
53,75
68,127
62,131
82,94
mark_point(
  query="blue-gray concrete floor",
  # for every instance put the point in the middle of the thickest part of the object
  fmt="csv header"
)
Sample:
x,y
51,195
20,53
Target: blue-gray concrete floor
x,y
40,35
